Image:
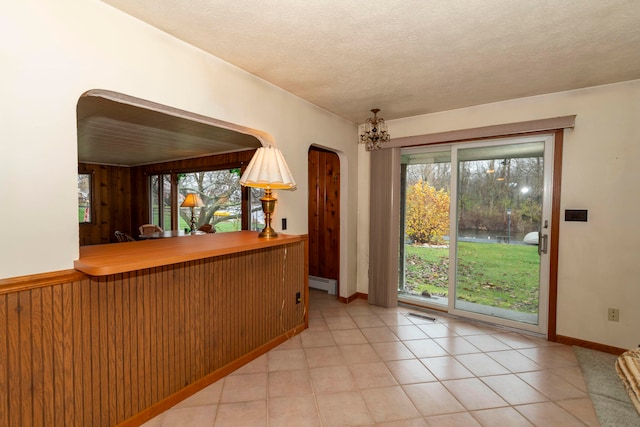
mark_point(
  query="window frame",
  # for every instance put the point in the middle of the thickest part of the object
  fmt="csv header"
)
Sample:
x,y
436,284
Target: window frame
x,y
90,177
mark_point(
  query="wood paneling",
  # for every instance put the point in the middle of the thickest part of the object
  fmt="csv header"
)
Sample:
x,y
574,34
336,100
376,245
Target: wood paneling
x,y
324,213
124,347
111,204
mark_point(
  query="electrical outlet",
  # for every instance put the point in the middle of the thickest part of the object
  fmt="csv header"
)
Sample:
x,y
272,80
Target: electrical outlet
x,y
614,315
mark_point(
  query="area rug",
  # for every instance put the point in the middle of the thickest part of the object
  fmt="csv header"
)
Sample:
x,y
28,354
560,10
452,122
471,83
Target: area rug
x,y
610,399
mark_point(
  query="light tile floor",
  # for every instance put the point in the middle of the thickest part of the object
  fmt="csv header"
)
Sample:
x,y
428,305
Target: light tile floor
x,y
361,365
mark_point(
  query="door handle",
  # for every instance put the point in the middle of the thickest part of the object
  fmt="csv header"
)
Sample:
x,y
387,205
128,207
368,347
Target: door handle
x,y
542,243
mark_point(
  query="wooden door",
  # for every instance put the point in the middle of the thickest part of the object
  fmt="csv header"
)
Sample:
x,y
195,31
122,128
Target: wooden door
x,y
324,214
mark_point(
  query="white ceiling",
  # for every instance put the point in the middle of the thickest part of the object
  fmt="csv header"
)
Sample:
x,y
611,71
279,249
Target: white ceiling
x,y
410,57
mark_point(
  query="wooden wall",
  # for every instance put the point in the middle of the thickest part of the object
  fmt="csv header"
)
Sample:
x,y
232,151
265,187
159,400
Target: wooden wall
x,y
324,213
111,203
120,194
85,351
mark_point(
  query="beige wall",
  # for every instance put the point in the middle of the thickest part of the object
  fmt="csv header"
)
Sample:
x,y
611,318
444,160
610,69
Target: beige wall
x,y
599,261
54,50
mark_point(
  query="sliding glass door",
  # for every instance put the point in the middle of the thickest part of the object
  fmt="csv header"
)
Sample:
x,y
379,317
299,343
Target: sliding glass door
x,y
425,226
475,230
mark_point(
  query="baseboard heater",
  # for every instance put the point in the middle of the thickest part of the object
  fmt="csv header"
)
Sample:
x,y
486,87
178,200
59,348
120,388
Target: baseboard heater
x,y
323,284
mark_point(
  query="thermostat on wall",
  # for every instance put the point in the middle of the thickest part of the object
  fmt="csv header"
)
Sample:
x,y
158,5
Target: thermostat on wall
x,y
575,215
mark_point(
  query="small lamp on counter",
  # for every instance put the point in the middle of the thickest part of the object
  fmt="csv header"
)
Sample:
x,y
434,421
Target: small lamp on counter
x,y
192,200
268,170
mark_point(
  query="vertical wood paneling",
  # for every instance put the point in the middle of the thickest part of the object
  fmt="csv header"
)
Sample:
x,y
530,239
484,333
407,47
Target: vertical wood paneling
x,y
132,327
118,339
4,384
58,356
111,380
26,366
77,359
68,360
47,357
94,354
154,330
144,343
103,348
13,358
324,213
314,211
86,353
97,351
167,349
126,346
111,203
37,382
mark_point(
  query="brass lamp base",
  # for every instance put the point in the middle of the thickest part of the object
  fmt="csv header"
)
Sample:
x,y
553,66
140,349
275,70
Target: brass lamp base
x,y
193,221
268,206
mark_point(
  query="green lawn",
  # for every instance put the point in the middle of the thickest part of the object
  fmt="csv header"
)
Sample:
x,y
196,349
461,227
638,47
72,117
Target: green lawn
x,y
225,226
499,275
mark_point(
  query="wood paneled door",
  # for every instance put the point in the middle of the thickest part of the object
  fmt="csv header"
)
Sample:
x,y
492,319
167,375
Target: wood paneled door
x,y
324,214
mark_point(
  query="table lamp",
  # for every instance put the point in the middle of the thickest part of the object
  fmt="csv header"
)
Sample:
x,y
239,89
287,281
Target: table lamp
x,y
192,200
268,169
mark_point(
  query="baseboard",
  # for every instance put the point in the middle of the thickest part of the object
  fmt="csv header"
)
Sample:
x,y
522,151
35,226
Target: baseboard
x,y
590,344
353,297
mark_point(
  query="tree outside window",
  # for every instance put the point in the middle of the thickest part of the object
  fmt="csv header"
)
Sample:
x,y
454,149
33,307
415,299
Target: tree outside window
x,y
221,194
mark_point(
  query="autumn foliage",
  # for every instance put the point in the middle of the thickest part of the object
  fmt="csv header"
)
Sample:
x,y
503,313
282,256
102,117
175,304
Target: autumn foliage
x,y
427,213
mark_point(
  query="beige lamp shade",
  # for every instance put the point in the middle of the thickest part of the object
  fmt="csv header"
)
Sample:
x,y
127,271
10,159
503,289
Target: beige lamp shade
x,y
192,200
268,169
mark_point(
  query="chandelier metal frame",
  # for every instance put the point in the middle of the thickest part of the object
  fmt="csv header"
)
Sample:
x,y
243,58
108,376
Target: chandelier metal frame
x,y
375,132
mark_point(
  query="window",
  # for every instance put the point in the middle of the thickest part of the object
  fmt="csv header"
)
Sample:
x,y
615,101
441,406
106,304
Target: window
x,y
160,200
221,194
84,198
256,217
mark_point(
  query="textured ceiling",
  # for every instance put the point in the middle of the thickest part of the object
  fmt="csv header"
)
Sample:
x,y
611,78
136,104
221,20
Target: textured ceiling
x,y
410,57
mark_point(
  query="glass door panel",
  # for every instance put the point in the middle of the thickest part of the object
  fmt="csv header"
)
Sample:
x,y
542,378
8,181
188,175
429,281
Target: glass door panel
x,y
424,249
472,215
499,212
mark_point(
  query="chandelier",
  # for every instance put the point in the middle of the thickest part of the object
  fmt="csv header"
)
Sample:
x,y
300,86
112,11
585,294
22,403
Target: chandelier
x,y
375,132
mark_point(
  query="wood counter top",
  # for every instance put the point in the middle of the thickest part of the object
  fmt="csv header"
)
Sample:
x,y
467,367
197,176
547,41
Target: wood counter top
x,y
113,258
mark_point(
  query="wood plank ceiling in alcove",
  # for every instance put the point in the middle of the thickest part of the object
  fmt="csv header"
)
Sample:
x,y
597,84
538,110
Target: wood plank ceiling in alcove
x,y
112,132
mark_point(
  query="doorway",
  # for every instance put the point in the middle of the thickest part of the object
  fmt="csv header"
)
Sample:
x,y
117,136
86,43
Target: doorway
x,y
324,219
475,227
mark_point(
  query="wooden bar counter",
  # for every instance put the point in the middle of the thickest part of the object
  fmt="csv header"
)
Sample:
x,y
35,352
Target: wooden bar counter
x,y
139,326
100,260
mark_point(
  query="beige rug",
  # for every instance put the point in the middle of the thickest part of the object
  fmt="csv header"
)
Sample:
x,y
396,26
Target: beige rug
x,y
606,390
628,367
